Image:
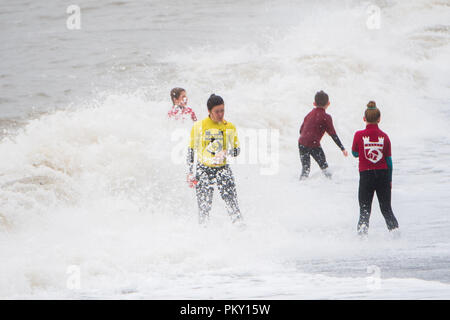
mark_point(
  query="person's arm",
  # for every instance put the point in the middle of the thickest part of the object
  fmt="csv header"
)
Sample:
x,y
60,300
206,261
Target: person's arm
x,y
332,132
355,149
338,142
191,179
190,160
233,147
388,154
234,152
170,114
390,167
193,116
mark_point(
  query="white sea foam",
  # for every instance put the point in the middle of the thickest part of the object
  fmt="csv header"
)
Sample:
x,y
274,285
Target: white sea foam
x,y
95,185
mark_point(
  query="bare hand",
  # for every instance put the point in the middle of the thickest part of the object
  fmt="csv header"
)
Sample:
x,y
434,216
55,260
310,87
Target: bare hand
x,y
345,153
190,179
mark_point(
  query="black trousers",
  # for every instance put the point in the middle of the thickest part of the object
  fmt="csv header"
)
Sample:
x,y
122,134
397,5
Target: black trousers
x,y
305,158
372,181
223,178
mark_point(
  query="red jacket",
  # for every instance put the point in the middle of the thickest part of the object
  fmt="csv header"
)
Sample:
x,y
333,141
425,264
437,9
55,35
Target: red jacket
x,y
314,126
373,147
178,112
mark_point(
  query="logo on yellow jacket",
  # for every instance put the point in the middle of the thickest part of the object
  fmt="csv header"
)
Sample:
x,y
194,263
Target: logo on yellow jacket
x,y
209,138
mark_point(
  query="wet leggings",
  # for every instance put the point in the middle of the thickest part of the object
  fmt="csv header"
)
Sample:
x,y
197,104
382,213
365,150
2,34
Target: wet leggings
x,y
317,154
223,178
372,181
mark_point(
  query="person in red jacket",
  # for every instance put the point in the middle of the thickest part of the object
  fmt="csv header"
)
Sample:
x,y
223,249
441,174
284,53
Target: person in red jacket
x,y
179,109
314,126
373,148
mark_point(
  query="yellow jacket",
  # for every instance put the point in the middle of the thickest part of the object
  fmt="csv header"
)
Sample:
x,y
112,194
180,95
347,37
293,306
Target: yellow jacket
x,y
208,138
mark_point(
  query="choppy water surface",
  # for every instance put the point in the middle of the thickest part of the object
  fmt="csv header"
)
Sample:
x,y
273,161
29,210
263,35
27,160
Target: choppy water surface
x,y
87,170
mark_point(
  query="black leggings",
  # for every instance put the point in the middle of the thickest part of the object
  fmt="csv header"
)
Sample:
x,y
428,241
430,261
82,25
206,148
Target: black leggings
x,y
317,154
223,177
372,181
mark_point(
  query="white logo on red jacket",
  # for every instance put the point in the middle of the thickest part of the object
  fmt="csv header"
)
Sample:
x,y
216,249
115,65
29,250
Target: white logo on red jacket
x,y
373,151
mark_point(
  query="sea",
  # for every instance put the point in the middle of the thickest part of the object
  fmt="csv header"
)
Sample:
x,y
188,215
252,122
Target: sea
x,y
93,196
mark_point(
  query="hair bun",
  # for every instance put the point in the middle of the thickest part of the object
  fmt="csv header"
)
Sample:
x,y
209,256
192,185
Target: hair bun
x,y
371,105
213,101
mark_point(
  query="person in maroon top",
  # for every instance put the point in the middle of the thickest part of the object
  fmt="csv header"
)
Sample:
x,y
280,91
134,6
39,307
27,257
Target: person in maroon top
x,y
180,110
373,148
314,126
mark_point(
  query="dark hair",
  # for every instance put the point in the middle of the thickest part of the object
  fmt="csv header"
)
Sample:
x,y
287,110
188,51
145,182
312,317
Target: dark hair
x,y
321,99
372,113
214,101
175,93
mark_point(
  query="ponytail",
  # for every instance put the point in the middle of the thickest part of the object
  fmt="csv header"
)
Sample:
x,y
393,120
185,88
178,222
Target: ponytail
x,y
175,93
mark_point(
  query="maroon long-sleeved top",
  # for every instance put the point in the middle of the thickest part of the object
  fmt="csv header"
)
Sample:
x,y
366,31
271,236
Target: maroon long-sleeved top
x,y
314,126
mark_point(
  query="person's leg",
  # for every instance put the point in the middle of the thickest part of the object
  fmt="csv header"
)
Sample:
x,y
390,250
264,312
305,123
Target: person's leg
x,y
204,191
319,157
305,160
227,189
365,196
383,190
